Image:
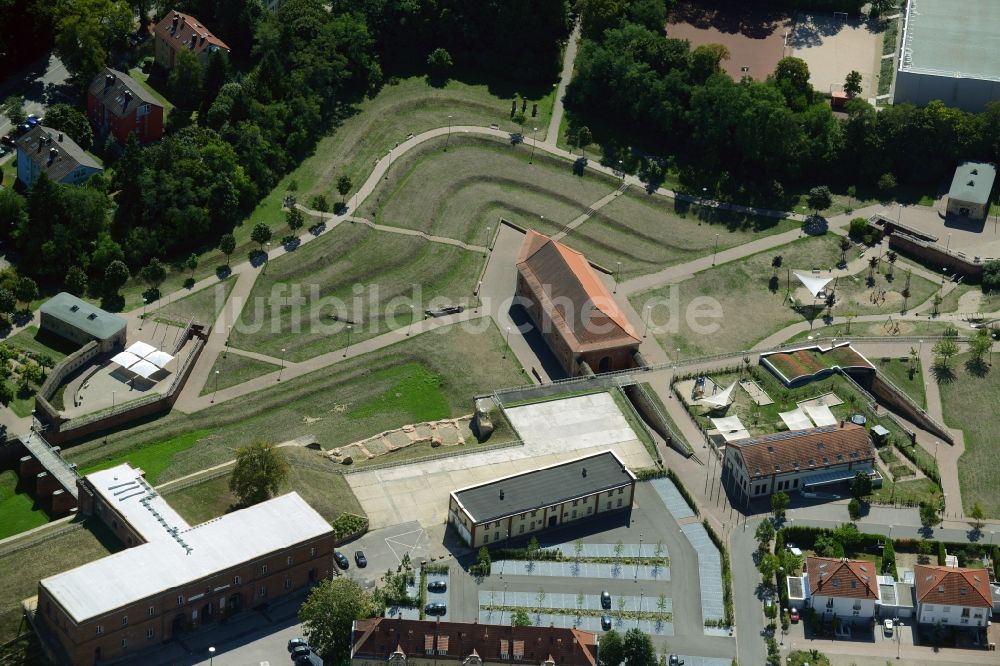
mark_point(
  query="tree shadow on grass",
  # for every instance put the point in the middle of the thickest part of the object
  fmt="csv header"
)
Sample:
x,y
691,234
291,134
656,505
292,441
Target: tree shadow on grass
x,y
943,374
977,367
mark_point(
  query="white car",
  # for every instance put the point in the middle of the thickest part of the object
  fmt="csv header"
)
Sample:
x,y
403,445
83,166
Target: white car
x,y
887,626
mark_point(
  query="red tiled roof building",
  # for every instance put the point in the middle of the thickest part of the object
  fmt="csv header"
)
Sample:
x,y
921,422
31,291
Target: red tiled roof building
x,y
119,105
178,32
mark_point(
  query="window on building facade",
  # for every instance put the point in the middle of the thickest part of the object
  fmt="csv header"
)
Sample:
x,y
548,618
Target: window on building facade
x,y
149,634
829,602
180,599
263,570
236,580
621,491
521,530
288,560
152,611
99,629
288,583
575,502
262,592
609,504
534,513
124,642
946,609
574,514
619,501
312,552
590,510
965,612
124,620
486,538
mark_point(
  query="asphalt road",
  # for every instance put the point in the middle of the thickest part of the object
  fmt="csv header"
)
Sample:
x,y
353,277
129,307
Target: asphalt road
x,y
40,84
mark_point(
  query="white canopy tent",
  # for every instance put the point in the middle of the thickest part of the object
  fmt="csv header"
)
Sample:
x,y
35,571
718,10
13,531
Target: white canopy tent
x,y
144,369
796,420
125,359
720,399
820,415
731,428
159,358
814,284
141,349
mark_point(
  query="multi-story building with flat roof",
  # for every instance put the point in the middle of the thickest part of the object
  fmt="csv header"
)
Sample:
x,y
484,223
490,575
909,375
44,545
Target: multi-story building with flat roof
x,y
524,504
174,577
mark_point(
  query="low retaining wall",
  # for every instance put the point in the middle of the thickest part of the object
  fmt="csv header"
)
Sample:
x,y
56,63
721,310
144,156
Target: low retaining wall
x,y
931,253
67,366
648,410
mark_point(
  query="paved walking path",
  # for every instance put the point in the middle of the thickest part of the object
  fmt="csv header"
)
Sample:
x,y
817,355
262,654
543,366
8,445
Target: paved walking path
x,y
552,135
335,219
594,207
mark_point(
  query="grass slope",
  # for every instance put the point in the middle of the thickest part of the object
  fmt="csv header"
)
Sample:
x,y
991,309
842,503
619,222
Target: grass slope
x,y
203,306
390,270
320,403
971,402
19,511
152,459
233,369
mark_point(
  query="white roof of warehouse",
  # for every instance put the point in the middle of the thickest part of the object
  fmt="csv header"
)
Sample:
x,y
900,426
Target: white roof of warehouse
x,y
127,492
134,574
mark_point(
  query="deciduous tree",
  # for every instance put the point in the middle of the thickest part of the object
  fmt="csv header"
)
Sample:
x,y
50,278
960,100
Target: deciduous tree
x,y
259,472
329,613
260,234
227,245
72,122
852,84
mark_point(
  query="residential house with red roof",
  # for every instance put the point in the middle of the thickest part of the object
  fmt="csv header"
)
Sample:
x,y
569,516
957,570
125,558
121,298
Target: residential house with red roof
x,y
400,642
119,105
178,32
802,460
842,588
953,596
572,309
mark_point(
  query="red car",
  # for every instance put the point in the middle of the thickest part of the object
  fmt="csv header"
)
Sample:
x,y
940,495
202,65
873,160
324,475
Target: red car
x,y
795,615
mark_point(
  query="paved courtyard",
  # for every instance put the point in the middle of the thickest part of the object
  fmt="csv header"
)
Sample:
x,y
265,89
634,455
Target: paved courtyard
x,y
552,432
833,47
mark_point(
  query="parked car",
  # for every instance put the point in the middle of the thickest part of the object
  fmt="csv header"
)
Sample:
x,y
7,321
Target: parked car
x,y
32,121
341,559
3,151
888,627
311,659
605,599
437,586
605,623
21,129
360,559
447,310
794,615
7,140
436,608
296,642
301,651
675,661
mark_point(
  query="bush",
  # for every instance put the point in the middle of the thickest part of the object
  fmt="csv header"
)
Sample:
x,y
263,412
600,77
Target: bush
x,y
854,508
991,276
942,553
349,523
889,559
858,228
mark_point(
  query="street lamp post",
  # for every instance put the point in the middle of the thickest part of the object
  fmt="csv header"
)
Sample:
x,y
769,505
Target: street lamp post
x,y
413,315
506,341
348,340
533,141
143,319
267,255
618,274
645,320
486,251
677,359
211,655
637,561
715,253
282,363
216,386
448,139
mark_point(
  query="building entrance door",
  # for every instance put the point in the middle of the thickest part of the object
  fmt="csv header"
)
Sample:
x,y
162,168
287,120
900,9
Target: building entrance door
x,y
552,520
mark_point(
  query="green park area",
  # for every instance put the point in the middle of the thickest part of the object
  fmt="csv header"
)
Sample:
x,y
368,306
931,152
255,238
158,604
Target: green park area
x,y
430,376
906,375
27,560
755,298
971,400
374,276
231,368
202,306
20,512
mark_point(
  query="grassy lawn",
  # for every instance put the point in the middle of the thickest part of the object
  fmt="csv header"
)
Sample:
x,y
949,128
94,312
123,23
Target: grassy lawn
x,y
898,372
971,403
459,193
202,306
233,369
410,106
873,328
753,298
152,459
649,232
143,79
913,491
19,510
332,403
358,274
31,340
20,571
310,476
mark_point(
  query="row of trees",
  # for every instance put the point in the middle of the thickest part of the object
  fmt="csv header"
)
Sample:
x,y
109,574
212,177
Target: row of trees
x,y
751,138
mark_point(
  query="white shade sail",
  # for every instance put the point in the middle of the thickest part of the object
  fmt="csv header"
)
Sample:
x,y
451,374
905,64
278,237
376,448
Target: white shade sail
x,y
159,358
720,399
814,284
144,369
820,415
796,420
125,359
141,349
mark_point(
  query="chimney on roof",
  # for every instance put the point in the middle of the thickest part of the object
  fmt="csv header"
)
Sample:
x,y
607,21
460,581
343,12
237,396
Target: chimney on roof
x,y
127,97
60,137
501,494
584,472
841,423
109,81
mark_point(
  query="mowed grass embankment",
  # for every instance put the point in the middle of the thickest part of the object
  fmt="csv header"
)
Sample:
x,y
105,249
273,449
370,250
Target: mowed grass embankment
x,y
18,511
334,403
22,568
231,369
351,275
971,403
409,106
202,306
461,192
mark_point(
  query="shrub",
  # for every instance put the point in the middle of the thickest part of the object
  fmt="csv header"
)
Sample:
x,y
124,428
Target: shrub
x,y
854,508
858,228
942,553
991,276
349,523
